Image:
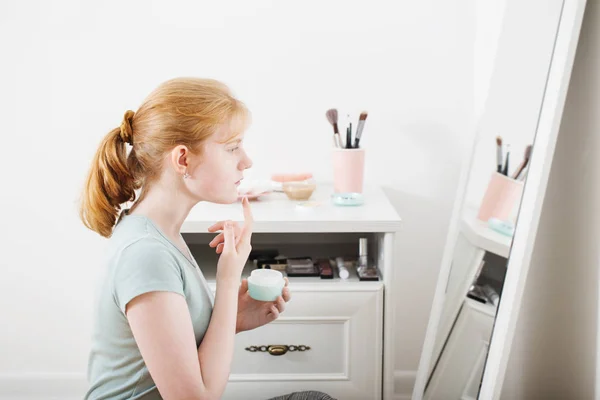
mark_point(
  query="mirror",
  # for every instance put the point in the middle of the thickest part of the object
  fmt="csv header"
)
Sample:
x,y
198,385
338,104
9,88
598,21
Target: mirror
x,y
490,241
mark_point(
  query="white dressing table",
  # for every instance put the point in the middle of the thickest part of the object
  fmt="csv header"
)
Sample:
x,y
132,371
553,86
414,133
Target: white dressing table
x,y
343,326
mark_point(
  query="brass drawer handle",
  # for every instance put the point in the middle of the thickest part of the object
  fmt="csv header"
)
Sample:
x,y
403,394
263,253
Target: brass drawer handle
x,y
277,349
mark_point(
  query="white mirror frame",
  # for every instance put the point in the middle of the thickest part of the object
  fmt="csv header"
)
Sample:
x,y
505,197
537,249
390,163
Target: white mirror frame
x,y
550,116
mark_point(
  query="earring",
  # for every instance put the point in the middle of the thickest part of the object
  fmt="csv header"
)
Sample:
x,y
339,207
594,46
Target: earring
x,y
186,175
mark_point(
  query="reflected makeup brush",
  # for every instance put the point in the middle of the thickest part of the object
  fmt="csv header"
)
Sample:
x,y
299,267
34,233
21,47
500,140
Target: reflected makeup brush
x,y
359,129
523,174
332,117
505,171
499,154
524,163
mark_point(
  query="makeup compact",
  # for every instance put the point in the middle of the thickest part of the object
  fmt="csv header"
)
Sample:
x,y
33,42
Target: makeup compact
x,y
325,270
368,274
278,264
265,284
347,199
301,267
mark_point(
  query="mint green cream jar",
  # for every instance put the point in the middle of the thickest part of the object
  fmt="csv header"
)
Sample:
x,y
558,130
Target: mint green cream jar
x,y
265,284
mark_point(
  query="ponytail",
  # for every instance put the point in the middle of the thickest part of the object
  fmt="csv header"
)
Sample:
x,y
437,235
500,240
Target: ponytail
x,y
110,181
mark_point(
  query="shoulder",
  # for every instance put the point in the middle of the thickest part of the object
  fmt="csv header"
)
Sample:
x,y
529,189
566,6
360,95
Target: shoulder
x,y
147,246
146,252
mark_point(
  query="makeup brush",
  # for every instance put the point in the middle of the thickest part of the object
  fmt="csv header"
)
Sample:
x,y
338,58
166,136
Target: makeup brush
x,y
332,117
499,153
349,135
361,125
524,163
523,174
348,138
505,170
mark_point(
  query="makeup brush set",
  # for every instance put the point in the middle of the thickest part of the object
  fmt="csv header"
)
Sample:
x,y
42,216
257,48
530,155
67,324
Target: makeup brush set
x,y
504,190
332,117
502,162
348,171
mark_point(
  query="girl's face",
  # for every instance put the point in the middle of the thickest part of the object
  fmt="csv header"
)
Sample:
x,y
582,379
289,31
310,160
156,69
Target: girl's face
x,y
216,174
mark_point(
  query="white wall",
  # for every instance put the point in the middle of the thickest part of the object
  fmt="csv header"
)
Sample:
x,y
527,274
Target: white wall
x,y
71,69
554,353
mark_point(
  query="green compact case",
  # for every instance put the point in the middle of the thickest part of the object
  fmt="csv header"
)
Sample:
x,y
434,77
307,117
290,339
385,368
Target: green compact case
x,y
347,199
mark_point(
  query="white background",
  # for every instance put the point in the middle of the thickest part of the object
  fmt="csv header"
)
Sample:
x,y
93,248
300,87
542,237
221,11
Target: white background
x,y
70,69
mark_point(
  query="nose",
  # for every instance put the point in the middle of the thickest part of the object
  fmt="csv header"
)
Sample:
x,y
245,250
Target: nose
x,y
246,162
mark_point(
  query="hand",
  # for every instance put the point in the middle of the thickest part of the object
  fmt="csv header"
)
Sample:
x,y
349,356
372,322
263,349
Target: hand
x,y
253,313
219,240
235,252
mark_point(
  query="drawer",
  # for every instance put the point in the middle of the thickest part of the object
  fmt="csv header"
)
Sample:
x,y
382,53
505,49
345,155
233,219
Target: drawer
x,y
342,332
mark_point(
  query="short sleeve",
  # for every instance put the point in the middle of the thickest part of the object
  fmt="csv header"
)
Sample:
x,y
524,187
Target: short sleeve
x,y
145,266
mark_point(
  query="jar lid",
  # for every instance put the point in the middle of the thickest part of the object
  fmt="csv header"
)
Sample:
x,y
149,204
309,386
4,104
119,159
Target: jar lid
x,y
265,277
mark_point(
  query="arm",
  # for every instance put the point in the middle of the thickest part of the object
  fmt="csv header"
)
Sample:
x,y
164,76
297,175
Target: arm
x,y
162,328
163,331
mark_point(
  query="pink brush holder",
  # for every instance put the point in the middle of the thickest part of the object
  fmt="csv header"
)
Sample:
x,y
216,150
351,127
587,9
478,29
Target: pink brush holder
x,y
501,197
348,170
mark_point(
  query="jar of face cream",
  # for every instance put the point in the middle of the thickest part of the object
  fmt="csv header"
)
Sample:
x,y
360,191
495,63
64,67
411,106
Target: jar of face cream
x,y
265,284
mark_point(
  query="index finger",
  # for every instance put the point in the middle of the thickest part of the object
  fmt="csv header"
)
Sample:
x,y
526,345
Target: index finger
x,y
248,220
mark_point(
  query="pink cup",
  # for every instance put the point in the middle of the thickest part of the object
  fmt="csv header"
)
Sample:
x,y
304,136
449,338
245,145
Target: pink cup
x,y
500,198
348,170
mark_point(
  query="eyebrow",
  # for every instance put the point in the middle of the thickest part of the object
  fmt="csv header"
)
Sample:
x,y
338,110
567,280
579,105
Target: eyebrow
x,y
233,140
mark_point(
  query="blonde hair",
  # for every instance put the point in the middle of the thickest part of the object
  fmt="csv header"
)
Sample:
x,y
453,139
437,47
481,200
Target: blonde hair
x,y
181,111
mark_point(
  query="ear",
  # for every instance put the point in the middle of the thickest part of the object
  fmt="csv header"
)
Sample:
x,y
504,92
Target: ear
x,y
179,159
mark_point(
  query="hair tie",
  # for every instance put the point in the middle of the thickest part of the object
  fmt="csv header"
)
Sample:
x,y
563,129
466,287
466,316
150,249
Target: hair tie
x,y
126,129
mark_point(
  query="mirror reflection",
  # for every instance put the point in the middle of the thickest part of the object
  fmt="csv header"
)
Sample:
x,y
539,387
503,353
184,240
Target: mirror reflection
x,y
489,209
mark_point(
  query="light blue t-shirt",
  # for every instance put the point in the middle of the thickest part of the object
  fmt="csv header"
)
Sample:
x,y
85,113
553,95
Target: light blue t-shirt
x,y
140,259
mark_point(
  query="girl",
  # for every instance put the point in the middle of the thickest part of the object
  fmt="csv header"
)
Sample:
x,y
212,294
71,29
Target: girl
x,y
158,332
